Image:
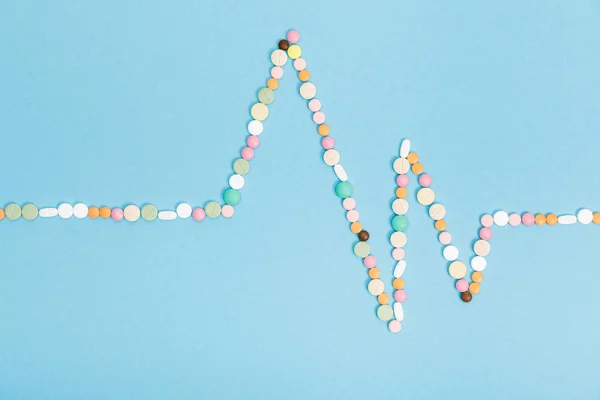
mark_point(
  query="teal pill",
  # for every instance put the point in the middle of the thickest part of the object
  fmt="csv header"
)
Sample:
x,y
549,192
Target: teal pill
x,y
362,249
266,96
232,197
344,189
29,212
13,211
385,312
149,212
212,209
400,223
241,166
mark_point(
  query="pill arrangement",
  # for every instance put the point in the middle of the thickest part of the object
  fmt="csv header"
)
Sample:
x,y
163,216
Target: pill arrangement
x,y
408,161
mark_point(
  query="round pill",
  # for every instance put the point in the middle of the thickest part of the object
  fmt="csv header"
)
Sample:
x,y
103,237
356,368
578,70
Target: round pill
x,y
227,211
362,249
457,269
308,90
149,212
331,157
474,288
266,96
253,141
417,168
425,180
255,127
323,129
450,253
272,83
487,220
528,219
13,211
398,283
482,248
400,206
80,210
349,203
314,105
466,296
328,142
232,197
514,219
247,153
370,261
116,214
279,57
184,210
595,219
440,225
374,273
235,182
477,276
395,326
363,236
445,237
299,64
29,212
478,263
401,165
425,196
212,209
304,75
540,219
402,180
376,287
259,111
501,218
400,223
105,212
2,214
294,51
437,211
355,227
400,296
241,166
198,214
293,36
131,213
398,254
462,285
401,192
65,210
383,298
412,158
385,312
344,189
398,239
93,212
319,117
585,216
352,216
551,219
277,72
283,44
485,233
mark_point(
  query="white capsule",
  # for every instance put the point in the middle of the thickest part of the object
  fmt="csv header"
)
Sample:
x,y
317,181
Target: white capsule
x,y
400,268
48,212
236,181
65,210
501,218
184,210
398,311
80,210
450,253
567,219
405,148
340,172
167,215
585,216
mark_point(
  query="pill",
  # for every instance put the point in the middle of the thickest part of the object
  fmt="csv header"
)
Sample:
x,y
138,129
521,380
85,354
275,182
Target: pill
x,y
466,296
344,189
412,157
362,249
477,276
540,219
340,172
445,237
450,253
227,211
235,182
400,223
131,213
48,212
363,236
105,212
65,210
474,288
478,263
440,225
585,216
149,212
314,105
308,90
376,287
399,269
514,219
417,168
551,219
241,166
398,283
167,215
80,210
279,57
319,117
212,209
425,196
398,239
198,214
425,180
596,218
2,214
398,311
293,36
385,312
398,254
501,218
184,210
401,165
266,96
294,51
259,111
299,64
283,44
567,219
437,211
395,326
487,220
29,212
462,285
400,296
255,127
383,298
405,148
232,197
93,212
482,248
116,214
331,157
355,227
457,269
400,206
13,211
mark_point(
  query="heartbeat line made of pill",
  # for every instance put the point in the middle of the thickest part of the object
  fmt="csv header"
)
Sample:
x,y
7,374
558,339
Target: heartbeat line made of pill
x,y
408,161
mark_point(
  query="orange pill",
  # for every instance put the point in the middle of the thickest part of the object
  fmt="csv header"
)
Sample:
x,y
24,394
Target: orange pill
x,y
412,157
477,276
440,225
356,227
383,298
398,283
93,212
272,84
417,168
323,129
304,75
596,218
401,192
551,219
1,214
105,212
374,273
540,219
474,288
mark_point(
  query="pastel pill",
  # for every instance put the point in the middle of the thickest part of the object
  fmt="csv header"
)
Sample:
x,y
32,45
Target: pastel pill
x,y
259,111
13,211
29,212
331,157
253,141
437,211
266,96
299,64
340,172
344,189
314,105
279,57
501,218
401,165
400,223
349,203
184,210
167,215
450,253
294,51
212,209
235,182
485,233
487,220
293,36
482,248
277,72
65,210
400,295
398,239
362,249
255,127
376,287
399,269
514,219
425,196
241,166
405,148
567,219
198,214
445,237
328,142
385,312
149,212
80,210
457,269
400,206
478,263
48,212
116,214
132,213
227,211
528,219
462,285
585,216
308,90
402,180
395,326
398,311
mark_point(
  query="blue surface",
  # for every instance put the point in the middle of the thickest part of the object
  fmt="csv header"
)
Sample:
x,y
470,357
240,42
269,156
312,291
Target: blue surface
x,y
144,101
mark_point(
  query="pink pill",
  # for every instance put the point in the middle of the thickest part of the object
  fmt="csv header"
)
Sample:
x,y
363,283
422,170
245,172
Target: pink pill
x,y
227,211
253,141
370,261
352,215
402,180
299,64
395,326
247,153
445,237
487,220
528,219
198,214
349,203
514,219
328,142
400,296
319,117
116,214
314,105
425,180
277,72
462,285
398,254
485,233
293,36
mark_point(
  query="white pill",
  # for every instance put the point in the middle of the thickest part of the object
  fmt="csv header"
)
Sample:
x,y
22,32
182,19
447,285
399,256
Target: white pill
x,y
236,181
279,57
331,157
398,311
585,216
482,248
340,172
437,211
478,263
80,210
399,269
308,90
405,148
425,196
184,210
450,253
401,165
501,218
400,206
398,239
167,215
255,127
65,210
48,212
376,287
563,219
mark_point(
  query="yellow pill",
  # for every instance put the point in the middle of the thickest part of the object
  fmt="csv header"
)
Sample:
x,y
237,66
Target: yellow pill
x,y
374,273
356,227
474,288
412,157
417,168
304,75
294,51
477,276
259,111
540,219
272,83
457,269
323,129
383,298
551,219
398,283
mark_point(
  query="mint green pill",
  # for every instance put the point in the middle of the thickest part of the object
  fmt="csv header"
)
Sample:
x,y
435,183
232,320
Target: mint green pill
x,y
232,197
266,96
362,249
149,212
241,166
344,189
385,312
29,212
400,223
13,211
212,209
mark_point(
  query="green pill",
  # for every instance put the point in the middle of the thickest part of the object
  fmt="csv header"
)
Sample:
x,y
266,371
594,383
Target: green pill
x,y
400,223
362,249
385,312
241,166
13,211
232,197
29,212
344,189
212,209
266,96
149,212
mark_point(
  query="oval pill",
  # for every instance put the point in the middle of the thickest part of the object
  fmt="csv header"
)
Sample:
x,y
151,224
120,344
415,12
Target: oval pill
x,y
340,172
167,215
405,148
567,219
48,212
398,311
399,269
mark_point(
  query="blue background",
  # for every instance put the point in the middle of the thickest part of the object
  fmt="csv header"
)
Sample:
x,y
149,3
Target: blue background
x,y
118,102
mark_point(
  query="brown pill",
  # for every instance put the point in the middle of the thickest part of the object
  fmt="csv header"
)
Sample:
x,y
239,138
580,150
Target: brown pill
x,y
363,236
284,44
466,296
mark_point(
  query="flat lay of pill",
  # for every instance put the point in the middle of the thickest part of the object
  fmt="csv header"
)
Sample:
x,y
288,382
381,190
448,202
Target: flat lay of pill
x,y
80,210
184,210
65,210
398,311
48,212
131,213
501,218
340,172
585,216
567,219
167,215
